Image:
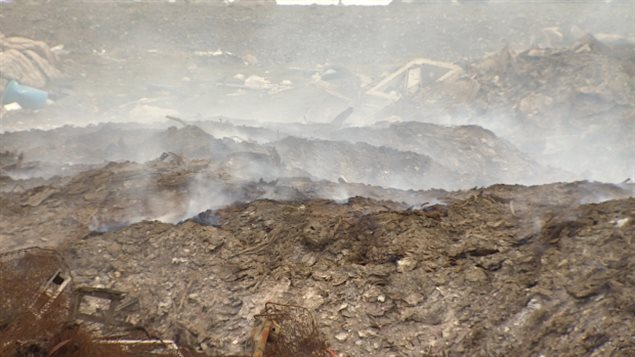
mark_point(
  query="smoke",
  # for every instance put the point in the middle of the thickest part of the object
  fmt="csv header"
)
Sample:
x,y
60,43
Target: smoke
x,y
286,72
205,196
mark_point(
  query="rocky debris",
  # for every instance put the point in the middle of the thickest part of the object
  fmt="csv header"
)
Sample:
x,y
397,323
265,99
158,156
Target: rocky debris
x,y
552,77
117,194
190,141
548,102
172,188
402,155
242,130
120,142
213,219
380,166
14,167
477,154
474,155
353,263
450,279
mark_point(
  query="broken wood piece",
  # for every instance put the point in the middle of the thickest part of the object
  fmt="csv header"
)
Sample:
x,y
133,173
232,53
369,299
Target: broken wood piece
x,y
377,90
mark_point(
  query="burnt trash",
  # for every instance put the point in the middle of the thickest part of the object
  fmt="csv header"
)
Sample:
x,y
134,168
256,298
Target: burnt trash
x,y
171,158
207,218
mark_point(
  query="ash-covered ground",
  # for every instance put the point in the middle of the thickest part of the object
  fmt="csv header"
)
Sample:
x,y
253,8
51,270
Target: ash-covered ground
x,y
428,179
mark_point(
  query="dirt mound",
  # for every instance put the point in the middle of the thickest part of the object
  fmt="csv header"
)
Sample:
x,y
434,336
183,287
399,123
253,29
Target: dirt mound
x,y
381,166
486,268
198,223
170,188
404,155
473,156
477,154
548,102
113,142
406,273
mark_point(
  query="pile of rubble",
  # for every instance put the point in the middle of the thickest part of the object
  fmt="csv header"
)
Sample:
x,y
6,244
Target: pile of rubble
x,y
489,265
361,162
478,155
402,155
112,196
45,314
533,251
568,107
537,81
41,310
175,234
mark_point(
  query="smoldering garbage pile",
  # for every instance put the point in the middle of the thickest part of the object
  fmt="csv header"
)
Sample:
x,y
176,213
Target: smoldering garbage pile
x,y
401,155
506,270
567,107
385,281
212,220
467,155
170,188
199,225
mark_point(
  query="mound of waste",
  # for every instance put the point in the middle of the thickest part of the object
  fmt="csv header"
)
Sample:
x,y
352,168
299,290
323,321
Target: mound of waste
x,y
402,155
570,107
170,188
477,154
361,162
506,270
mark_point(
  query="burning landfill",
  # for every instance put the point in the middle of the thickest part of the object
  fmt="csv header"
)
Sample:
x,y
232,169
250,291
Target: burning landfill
x,y
243,178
